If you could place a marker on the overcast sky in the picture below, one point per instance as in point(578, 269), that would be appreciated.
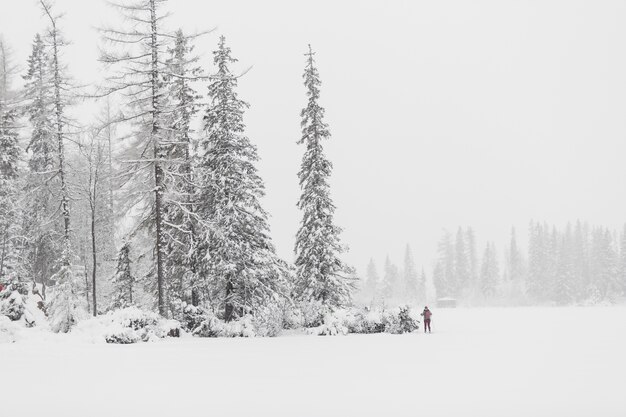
point(443, 113)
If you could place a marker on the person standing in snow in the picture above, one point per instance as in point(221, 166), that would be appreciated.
point(426, 314)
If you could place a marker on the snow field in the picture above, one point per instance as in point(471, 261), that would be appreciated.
point(478, 362)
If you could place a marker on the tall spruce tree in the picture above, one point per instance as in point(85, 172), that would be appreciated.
point(321, 274)
point(236, 253)
point(67, 306)
point(410, 277)
point(41, 227)
point(390, 280)
point(489, 271)
point(10, 153)
point(180, 223)
point(123, 280)
point(371, 281)
point(461, 264)
point(443, 273)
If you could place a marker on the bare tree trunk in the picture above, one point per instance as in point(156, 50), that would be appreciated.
point(94, 260)
point(158, 170)
point(58, 110)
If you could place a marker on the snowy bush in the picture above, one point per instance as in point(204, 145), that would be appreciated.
point(212, 326)
point(129, 325)
point(67, 307)
point(401, 322)
point(266, 322)
point(313, 313)
point(334, 324)
point(8, 330)
point(13, 303)
point(396, 321)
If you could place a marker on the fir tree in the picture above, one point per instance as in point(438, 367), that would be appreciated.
point(371, 280)
point(320, 272)
point(124, 280)
point(443, 274)
point(564, 288)
point(179, 218)
point(390, 280)
point(461, 264)
point(421, 286)
point(40, 222)
point(622, 261)
point(236, 252)
point(489, 271)
point(410, 284)
point(472, 258)
point(67, 306)
point(10, 153)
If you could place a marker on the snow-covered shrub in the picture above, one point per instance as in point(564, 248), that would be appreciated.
point(313, 313)
point(67, 307)
point(401, 322)
point(292, 317)
point(213, 326)
point(334, 324)
point(266, 322)
point(397, 321)
point(192, 317)
point(8, 330)
point(13, 302)
point(129, 325)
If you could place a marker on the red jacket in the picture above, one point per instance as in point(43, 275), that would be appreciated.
point(427, 314)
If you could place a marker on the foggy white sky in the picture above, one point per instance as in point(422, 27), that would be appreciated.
point(443, 113)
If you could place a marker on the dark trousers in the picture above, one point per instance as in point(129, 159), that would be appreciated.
point(426, 325)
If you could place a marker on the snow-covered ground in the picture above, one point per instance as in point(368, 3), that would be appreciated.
point(477, 362)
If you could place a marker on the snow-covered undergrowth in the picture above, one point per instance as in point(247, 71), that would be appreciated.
point(125, 326)
point(8, 330)
point(18, 304)
point(204, 323)
point(397, 321)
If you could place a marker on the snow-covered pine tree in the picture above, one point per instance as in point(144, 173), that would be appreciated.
point(515, 260)
point(321, 274)
point(581, 259)
point(472, 257)
point(410, 278)
point(489, 271)
point(443, 273)
point(421, 287)
point(10, 152)
point(514, 272)
point(136, 51)
point(622, 261)
point(67, 306)
point(123, 280)
point(535, 287)
point(461, 264)
point(371, 281)
point(41, 186)
point(180, 223)
point(236, 253)
point(564, 286)
point(390, 280)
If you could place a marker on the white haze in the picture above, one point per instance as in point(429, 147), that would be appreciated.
point(443, 113)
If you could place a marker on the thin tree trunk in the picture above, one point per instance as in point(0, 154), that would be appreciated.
point(58, 105)
point(158, 170)
point(94, 260)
